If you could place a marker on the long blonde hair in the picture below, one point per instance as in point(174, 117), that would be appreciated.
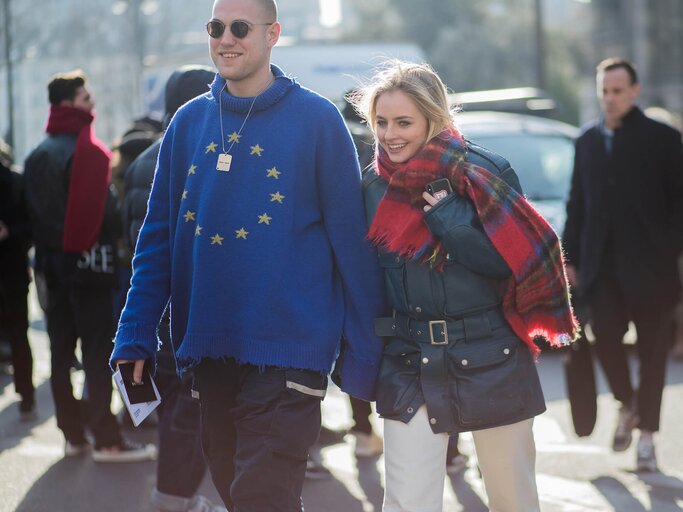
point(419, 81)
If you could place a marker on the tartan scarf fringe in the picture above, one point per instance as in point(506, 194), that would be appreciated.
point(536, 302)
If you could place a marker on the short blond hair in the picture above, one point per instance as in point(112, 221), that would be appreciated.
point(419, 81)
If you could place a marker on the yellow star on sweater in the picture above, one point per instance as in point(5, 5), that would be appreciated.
point(256, 150)
point(217, 239)
point(192, 170)
point(184, 194)
point(241, 233)
point(273, 173)
point(276, 197)
point(264, 219)
point(234, 137)
point(198, 230)
point(189, 216)
point(211, 147)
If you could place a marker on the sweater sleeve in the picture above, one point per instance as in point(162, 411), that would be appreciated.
point(136, 337)
point(339, 188)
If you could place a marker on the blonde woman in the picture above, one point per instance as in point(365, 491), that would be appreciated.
point(474, 274)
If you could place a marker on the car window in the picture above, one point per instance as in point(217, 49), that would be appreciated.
point(543, 163)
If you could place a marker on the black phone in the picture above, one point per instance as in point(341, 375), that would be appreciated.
point(137, 393)
point(439, 188)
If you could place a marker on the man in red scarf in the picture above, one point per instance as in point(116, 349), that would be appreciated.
point(75, 223)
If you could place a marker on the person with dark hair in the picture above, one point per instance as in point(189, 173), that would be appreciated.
point(474, 275)
point(622, 237)
point(75, 224)
point(255, 235)
point(181, 466)
point(15, 242)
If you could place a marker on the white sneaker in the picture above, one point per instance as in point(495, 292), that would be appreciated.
point(647, 459)
point(201, 504)
point(75, 449)
point(368, 445)
point(125, 451)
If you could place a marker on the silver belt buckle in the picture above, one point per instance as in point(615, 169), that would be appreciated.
point(432, 323)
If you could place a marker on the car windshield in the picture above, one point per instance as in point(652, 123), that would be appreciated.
point(543, 162)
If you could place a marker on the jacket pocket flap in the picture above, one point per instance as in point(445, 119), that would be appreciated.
point(480, 355)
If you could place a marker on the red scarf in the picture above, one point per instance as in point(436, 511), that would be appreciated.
point(536, 301)
point(90, 177)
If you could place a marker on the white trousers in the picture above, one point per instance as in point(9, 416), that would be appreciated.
point(415, 466)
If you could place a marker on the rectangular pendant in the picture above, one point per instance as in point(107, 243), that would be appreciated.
point(224, 161)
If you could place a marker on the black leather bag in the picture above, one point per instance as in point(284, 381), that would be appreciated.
point(579, 375)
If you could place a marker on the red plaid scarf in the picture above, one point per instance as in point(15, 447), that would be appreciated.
point(536, 301)
point(89, 181)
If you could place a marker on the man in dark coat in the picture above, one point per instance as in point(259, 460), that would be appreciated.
point(623, 234)
point(75, 221)
point(14, 280)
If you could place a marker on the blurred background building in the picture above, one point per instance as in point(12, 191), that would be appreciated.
point(128, 48)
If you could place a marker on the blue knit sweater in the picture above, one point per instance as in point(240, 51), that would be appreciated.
point(266, 262)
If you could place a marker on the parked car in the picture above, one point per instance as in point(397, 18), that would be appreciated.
point(541, 151)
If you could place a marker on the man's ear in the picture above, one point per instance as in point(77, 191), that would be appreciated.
point(273, 34)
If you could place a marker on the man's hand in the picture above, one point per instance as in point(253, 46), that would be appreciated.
point(137, 369)
point(4, 231)
point(572, 279)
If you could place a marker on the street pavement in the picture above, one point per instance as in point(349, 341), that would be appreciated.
point(573, 474)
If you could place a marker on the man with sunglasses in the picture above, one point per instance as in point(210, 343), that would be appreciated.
point(255, 233)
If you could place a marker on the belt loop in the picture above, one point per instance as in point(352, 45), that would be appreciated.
point(477, 327)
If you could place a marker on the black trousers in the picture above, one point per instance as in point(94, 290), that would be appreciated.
point(180, 464)
point(611, 312)
point(361, 411)
point(14, 323)
point(86, 314)
point(257, 426)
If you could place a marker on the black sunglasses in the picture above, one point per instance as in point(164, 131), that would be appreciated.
point(238, 28)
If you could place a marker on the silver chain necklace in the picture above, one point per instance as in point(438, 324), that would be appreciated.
point(225, 158)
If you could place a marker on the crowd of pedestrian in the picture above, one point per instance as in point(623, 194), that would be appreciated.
point(256, 242)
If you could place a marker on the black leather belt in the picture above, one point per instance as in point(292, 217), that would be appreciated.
point(440, 332)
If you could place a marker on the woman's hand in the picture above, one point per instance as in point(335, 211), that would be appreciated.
point(431, 201)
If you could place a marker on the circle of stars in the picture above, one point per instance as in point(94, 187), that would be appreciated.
point(241, 233)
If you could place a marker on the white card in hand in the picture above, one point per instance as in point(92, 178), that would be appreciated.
point(138, 412)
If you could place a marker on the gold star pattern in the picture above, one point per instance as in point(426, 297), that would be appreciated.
point(276, 197)
point(216, 239)
point(198, 230)
point(184, 194)
point(211, 147)
point(189, 216)
point(241, 233)
point(264, 219)
point(273, 173)
point(234, 137)
point(192, 170)
point(256, 150)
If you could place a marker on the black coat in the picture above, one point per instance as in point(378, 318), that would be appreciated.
point(137, 185)
point(14, 273)
point(632, 202)
point(47, 172)
point(484, 376)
